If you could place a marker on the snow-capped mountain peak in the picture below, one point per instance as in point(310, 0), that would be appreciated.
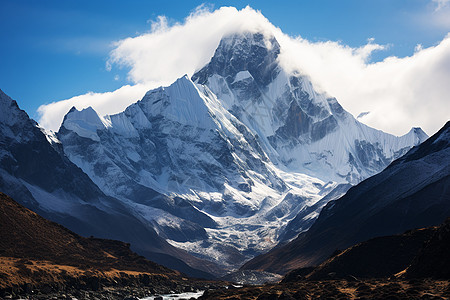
point(180, 102)
point(417, 135)
point(252, 52)
point(237, 152)
point(10, 113)
point(85, 123)
point(301, 130)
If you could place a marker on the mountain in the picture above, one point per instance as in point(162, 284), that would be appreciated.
point(221, 163)
point(35, 171)
point(412, 192)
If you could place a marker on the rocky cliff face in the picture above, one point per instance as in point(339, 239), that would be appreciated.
point(300, 129)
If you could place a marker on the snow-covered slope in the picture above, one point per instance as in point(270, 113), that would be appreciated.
point(220, 164)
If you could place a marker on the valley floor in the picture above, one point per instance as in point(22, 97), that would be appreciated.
point(38, 279)
point(339, 289)
point(329, 289)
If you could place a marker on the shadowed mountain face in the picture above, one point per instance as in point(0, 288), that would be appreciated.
point(35, 171)
point(376, 258)
point(417, 253)
point(413, 192)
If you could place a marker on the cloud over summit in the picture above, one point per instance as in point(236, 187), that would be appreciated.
point(399, 92)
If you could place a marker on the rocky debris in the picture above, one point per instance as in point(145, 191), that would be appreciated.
point(339, 289)
point(251, 277)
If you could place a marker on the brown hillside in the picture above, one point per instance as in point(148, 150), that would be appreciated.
point(434, 258)
point(25, 234)
point(33, 249)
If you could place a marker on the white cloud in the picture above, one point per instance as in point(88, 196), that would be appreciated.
point(440, 4)
point(51, 115)
point(435, 17)
point(398, 92)
point(170, 51)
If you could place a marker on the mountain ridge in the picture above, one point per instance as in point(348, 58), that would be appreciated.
point(387, 203)
point(38, 174)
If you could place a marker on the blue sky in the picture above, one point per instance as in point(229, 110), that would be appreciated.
point(54, 50)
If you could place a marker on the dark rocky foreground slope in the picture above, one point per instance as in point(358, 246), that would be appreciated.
point(433, 259)
point(376, 258)
point(40, 256)
point(412, 192)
